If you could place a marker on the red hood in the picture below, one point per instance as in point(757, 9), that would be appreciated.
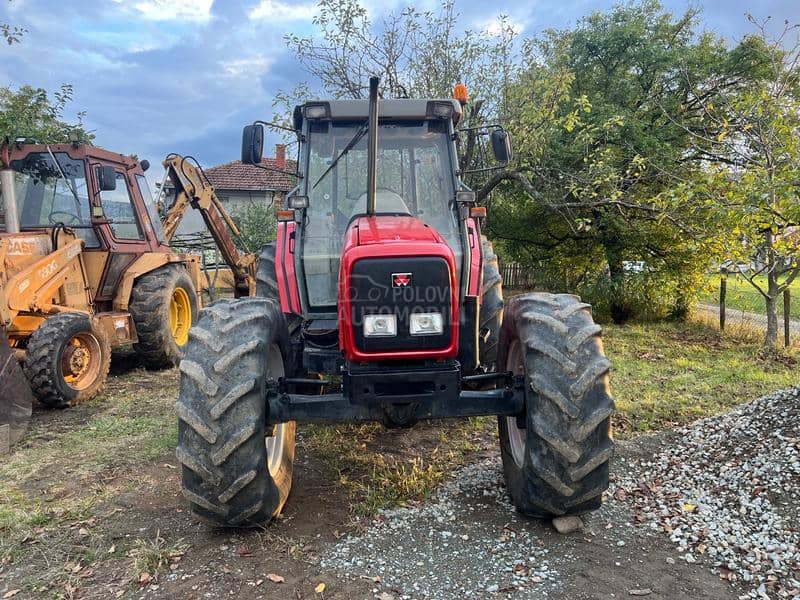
point(386, 229)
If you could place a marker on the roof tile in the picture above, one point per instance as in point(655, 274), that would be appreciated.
point(237, 176)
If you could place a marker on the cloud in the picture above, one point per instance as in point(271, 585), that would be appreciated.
point(253, 66)
point(498, 25)
point(174, 10)
point(277, 11)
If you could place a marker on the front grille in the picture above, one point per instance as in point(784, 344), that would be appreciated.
point(375, 289)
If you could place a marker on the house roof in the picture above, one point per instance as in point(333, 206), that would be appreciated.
point(237, 176)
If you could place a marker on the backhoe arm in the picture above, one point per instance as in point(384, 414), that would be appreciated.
point(193, 188)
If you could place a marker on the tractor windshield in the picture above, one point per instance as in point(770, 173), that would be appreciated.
point(414, 177)
point(44, 197)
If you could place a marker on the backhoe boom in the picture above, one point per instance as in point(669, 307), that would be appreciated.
point(193, 188)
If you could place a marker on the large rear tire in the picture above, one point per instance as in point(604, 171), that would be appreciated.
point(491, 307)
point(234, 473)
point(164, 307)
point(556, 457)
point(67, 360)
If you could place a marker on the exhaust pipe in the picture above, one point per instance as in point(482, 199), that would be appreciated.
point(9, 200)
point(9, 194)
point(372, 146)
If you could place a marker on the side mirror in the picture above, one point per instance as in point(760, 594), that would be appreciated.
point(106, 179)
point(501, 146)
point(145, 164)
point(252, 144)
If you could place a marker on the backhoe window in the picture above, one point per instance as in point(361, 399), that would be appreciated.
point(118, 207)
point(152, 209)
point(414, 177)
point(45, 199)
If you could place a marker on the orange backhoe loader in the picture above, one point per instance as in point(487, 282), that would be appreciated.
point(85, 264)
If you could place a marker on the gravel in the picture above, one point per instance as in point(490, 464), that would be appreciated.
point(467, 542)
point(727, 492)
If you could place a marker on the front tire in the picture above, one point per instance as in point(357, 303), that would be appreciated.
point(234, 474)
point(67, 360)
point(164, 307)
point(556, 456)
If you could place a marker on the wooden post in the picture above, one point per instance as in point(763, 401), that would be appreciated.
point(723, 290)
point(786, 316)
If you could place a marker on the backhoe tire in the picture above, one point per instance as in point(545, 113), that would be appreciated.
point(67, 360)
point(556, 456)
point(232, 474)
point(163, 306)
point(266, 275)
point(491, 307)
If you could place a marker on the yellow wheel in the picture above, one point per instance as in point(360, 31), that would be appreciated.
point(67, 360)
point(180, 316)
point(163, 306)
point(81, 361)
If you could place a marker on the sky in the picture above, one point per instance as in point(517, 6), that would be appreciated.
point(161, 76)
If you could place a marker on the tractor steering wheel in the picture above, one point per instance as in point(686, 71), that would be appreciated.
point(73, 219)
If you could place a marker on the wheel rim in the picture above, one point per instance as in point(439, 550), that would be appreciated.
point(80, 361)
point(516, 436)
point(180, 315)
point(275, 439)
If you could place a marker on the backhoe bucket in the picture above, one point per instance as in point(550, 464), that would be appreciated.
point(16, 398)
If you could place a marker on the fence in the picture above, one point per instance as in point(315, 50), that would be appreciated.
point(750, 300)
point(517, 276)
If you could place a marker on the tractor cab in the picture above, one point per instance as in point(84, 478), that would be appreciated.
point(415, 177)
point(380, 223)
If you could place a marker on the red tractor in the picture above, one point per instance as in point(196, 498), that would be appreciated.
point(381, 301)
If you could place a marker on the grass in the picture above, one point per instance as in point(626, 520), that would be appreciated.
point(668, 374)
point(741, 295)
point(377, 476)
point(69, 464)
point(155, 556)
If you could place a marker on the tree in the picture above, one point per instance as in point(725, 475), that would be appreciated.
point(12, 33)
point(416, 54)
point(256, 223)
point(750, 144)
point(599, 144)
point(30, 113)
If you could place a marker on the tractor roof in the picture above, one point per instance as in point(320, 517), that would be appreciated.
point(400, 109)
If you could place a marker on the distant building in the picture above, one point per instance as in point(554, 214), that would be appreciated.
point(237, 185)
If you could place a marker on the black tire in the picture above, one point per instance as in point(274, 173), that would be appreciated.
point(266, 277)
point(561, 463)
point(67, 341)
point(234, 347)
point(267, 287)
point(491, 307)
point(150, 308)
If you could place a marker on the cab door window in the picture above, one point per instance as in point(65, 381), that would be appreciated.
point(118, 207)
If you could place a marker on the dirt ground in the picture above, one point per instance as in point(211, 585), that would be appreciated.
point(139, 541)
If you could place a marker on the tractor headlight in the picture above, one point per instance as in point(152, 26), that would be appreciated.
point(380, 325)
point(426, 324)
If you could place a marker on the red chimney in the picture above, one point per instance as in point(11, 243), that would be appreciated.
point(280, 156)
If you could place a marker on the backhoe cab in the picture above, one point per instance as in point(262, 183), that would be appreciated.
point(381, 300)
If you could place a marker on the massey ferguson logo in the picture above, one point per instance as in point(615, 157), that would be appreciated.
point(401, 279)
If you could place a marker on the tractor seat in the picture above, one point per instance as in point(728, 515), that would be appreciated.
point(386, 201)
